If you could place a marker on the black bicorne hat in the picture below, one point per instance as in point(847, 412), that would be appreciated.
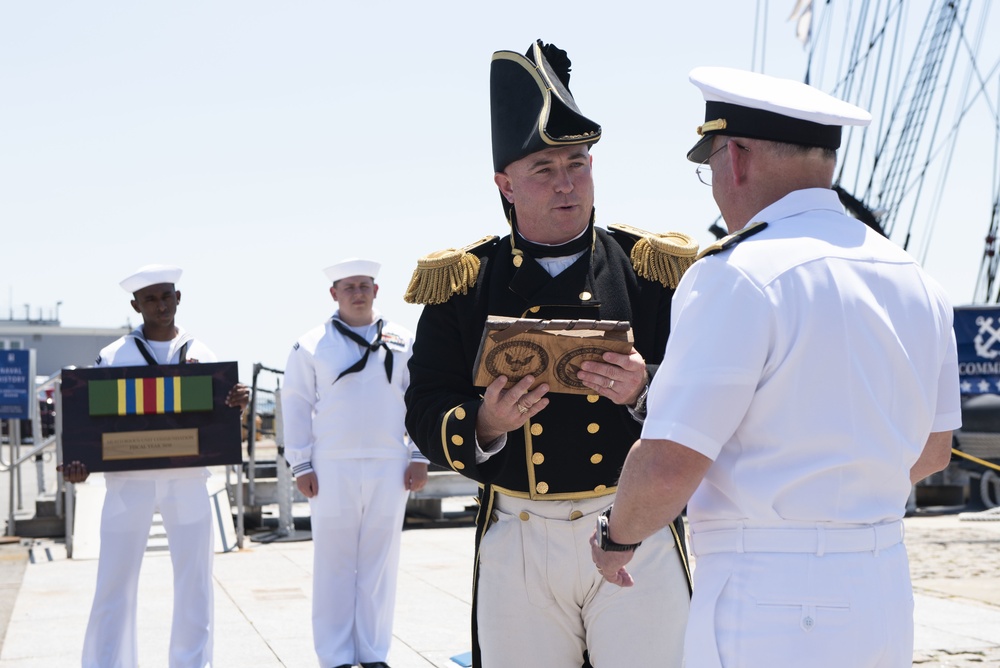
point(531, 106)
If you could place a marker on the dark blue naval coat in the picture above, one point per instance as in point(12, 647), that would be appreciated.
point(576, 446)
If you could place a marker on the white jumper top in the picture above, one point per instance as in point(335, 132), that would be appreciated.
point(125, 352)
point(358, 416)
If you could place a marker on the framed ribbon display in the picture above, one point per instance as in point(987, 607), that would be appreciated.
point(150, 417)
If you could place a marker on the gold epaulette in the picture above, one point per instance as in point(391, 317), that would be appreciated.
point(444, 273)
point(730, 240)
point(660, 257)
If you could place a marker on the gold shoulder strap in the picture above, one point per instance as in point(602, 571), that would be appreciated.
point(660, 257)
point(730, 240)
point(444, 273)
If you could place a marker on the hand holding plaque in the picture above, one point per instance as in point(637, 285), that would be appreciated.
point(549, 350)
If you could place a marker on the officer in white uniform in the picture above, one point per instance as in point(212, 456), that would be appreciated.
point(810, 378)
point(342, 409)
point(179, 495)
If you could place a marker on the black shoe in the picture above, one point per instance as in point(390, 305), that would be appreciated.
point(345, 665)
point(377, 664)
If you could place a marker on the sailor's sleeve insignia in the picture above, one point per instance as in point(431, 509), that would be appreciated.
point(444, 273)
point(660, 257)
point(730, 240)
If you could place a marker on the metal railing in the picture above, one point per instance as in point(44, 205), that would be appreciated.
point(255, 393)
point(39, 444)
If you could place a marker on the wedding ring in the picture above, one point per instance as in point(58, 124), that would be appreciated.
point(611, 383)
point(521, 409)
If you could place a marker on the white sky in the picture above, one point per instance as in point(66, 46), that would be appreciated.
point(254, 143)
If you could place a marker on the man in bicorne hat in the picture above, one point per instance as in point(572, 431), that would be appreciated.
point(180, 495)
point(549, 462)
point(342, 410)
point(798, 436)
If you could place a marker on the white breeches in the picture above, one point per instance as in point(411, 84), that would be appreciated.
point(125, 522)
point(357, 519)
point(541, 601)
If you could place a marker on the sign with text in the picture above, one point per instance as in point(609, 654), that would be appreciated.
point(17, 384)
point(977, 334)
point(151, 417)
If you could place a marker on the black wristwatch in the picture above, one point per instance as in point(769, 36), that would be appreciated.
point(604, 540)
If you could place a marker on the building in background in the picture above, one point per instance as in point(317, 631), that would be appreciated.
point(56, 346)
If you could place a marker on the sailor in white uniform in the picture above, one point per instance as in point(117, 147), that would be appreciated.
point(179, 495)
point(810, 378)
point(342, 409)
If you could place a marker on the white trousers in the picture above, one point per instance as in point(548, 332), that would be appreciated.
point(357, 520)
point(790, 610)
point(541, 601)
point(129, 505)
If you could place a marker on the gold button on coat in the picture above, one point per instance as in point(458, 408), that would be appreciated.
point(542, 488)
point(457, 440)
point(535, 309)
point(537, 458)
point(600, 488)
point(592, 398)
point(596, 459)
point(524, 516)
point(585, 296)
point(593, 428)
point(575, 515)
point(460, 413)
point(517, 260)
point(458, 465)
point(536, 429)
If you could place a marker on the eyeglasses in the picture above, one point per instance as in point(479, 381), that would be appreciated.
point(704, 170)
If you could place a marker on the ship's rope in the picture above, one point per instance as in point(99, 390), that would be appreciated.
point(977, 460)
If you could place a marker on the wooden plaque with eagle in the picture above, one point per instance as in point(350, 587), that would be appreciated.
point(549, 350)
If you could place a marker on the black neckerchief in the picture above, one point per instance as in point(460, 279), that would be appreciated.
point(582, 243)
point(148, 356)
point(369, 349)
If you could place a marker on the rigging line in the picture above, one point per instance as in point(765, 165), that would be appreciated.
point(888, 113)
point(992, 237)
point(871, 87)
point(820, 38)
point(915, 114)
point(850, 52)
point(950, 137)
point(973, 50)
point(951, 140)
point(964, 111)
point(929, 227)
point(813, 43)
point(764, 40)
point(850, 83)
point(850, 56)
point(901, 164)
point(756, 29)
point(848, 86)
point(847, 81)
point(988, 264)
point(860, 57)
